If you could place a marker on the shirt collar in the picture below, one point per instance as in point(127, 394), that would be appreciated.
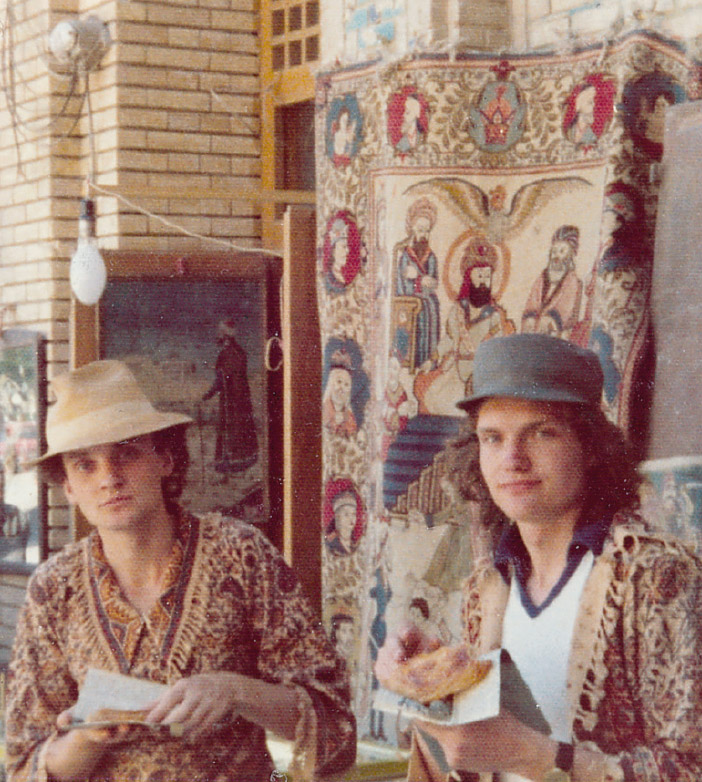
point(590, 536)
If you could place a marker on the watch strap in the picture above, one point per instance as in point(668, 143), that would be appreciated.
point(564, 756)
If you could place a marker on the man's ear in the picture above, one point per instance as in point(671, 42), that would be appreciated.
point(168, 462)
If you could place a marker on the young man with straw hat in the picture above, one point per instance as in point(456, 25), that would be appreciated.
point(599, 612)
point(204, 605)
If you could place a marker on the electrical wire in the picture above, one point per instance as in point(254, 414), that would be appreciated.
point(165, 221)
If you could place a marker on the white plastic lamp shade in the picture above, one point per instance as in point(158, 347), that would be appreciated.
point(88, 274)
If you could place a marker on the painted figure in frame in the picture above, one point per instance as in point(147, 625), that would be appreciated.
point(237, 443)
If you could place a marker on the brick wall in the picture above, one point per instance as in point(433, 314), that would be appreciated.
point(175, 106)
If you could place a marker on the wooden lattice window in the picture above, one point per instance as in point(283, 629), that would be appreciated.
point(290, 31)
point(294, 33)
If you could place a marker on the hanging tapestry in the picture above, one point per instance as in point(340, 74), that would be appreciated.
point(460, 199)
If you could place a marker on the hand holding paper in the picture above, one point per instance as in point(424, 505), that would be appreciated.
point(200, 703)
point(110, 705)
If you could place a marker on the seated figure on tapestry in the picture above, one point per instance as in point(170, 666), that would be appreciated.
point(553, 304)
point(473, 318)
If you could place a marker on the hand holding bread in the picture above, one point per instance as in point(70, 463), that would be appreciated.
point(421, 669)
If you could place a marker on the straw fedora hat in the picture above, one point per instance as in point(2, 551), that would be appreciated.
point(100, 403)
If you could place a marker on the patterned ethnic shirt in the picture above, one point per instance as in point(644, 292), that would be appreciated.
point(231, 603)
point(635, 670)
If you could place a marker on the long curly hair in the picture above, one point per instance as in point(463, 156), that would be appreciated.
point(612, 479)
point(173, 440)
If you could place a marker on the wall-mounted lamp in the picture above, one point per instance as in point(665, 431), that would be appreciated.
point(80, 42)
point(88, 274)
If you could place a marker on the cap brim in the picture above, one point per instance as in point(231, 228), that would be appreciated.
point(533, 395)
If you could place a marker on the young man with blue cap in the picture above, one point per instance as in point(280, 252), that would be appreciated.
point(599, 613)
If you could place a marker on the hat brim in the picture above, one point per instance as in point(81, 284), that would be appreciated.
point(119, 431)
point(534, 395)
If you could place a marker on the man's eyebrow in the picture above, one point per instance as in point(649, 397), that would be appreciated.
point(481, 431)
point(546, 421)
point(79, 454)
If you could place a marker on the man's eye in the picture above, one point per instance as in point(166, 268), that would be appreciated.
point(547, 433)
point(489, 438)
point(83, 466)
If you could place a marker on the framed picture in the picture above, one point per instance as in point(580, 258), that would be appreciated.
point(22, 412)
point(197, 335)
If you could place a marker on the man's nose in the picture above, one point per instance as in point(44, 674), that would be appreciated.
point(516, 454)
point(111, 471)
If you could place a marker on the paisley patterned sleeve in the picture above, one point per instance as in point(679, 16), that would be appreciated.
point(293, 648)
point(39, 685)
point(662, 637)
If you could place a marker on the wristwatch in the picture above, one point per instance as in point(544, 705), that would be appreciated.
point(564, 763)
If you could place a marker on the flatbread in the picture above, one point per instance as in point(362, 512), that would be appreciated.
point(433, 676)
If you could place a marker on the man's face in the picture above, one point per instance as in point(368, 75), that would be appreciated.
point(532, 461)
point(421, 229)
point(480, 286)
point(340, 381)
point(343, 120)
point(117, 486)
point(344, 635)
point(411, 113)
point(341, 253)
point(559, 258)
point(345, 521)
point(655, 120)
point(585, 102)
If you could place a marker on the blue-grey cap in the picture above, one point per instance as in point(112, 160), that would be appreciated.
point(537, 367)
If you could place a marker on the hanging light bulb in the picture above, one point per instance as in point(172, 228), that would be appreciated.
point(88, 274)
